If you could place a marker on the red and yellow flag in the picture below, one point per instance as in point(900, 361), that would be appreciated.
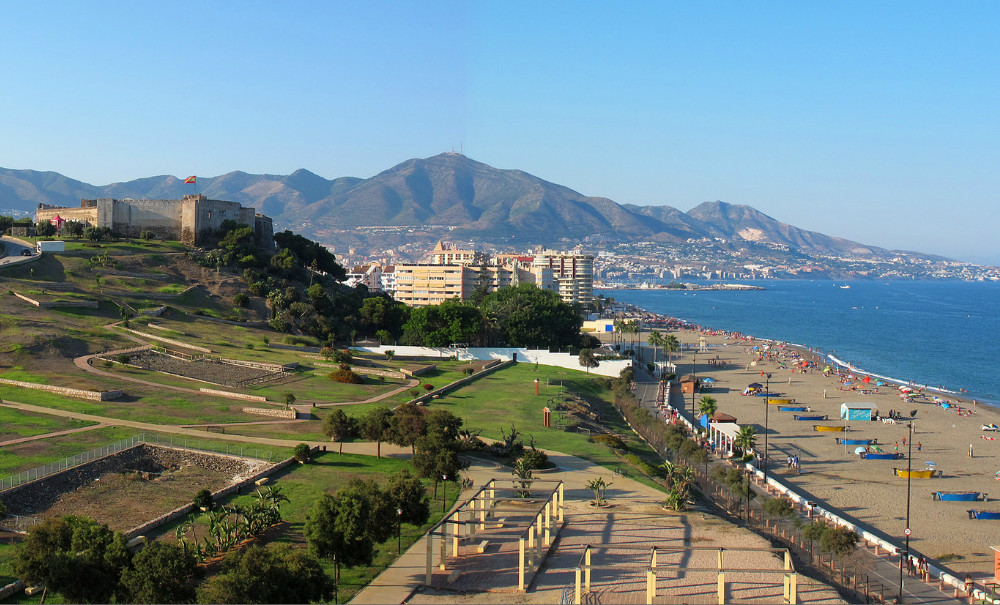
point(189, 180)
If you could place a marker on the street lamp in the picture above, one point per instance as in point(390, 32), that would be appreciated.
point(444, 494)
point(767, 407)
point(906, 531)
point(694, 374)
point(748, 488)
point(399, 530)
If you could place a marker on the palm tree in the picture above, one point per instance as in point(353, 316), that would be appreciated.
point(707, 406)
point(746, 439)
point(671, 345)
point(655, 340)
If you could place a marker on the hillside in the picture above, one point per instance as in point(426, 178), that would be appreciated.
point(445, 193)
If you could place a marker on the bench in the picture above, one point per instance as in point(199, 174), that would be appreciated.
point(483, 546)
point(33, 590)
point(260, 482)
point(453, 576)
point(499, 522)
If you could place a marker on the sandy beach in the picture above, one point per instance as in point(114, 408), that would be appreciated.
point(867, 490)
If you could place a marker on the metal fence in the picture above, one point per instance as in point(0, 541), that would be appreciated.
point(18, 523)
point(231, 449)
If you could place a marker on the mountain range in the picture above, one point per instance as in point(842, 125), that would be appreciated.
point(452, 192)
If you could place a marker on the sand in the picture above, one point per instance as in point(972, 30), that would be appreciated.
point(867, 489)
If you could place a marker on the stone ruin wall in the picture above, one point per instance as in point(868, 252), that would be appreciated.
point(189, 219)
point(132, 217)
point(36, 496)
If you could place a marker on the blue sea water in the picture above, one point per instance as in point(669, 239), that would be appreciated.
point(930, 332)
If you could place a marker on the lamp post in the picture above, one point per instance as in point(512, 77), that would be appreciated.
point(906, 531)
point(748, 496)
point(444, 493)
point(399, 531)
point(767, 407)
point(694, 374)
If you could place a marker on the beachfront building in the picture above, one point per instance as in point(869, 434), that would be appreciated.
point(457, 273)
point(572, 274)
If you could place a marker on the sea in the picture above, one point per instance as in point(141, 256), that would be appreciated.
point(937, 333)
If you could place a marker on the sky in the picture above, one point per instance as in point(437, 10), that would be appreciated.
point(872, 121)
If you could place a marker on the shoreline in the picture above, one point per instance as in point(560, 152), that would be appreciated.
point(948, 439)
point(960, 395)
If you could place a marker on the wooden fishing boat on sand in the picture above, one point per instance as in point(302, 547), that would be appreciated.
point(832, 429)
point(927, 473)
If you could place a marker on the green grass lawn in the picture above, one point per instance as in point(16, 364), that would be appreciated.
point(506, 397)
point(144, 404)
point(25, 456)
point(15, 424)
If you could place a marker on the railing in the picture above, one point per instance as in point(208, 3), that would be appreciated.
point(52, 468)
point(18, 523)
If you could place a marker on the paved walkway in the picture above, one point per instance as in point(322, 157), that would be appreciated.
point(398, 582)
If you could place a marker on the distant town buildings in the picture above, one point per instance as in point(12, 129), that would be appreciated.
point(191, 219)
point(457, 273)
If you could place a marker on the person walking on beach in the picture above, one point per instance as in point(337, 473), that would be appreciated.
point(918, 446)
point(896, 446)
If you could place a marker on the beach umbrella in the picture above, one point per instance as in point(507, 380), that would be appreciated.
point(859, 449)
point(755, 385)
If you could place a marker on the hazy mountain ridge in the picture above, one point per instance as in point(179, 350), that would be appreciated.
point(447, 190)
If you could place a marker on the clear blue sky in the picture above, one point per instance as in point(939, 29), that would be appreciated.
point(874, 121)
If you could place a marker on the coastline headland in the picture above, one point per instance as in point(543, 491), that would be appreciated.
point(678, 286)
point(946, 436)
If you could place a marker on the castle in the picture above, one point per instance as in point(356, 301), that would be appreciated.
point(191, 219)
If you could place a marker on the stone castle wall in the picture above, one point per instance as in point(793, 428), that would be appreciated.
point(191, 219)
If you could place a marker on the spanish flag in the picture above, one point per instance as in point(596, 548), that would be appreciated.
point(189, 180)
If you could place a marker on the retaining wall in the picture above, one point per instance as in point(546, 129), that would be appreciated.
point(462, 382)
point(166, 340)
point(78, 393)
point(86, 304)
point(232, 395)
point(273, 412)
point(563, 360)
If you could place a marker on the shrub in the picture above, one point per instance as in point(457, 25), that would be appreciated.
point(346, 376)
point(147, 234)
point(779, 507)
point(414, 393)
point(204, 500)
point(469, 371)
point(649, 470)
point(241, 299)
point(838, 540)
point(612, 441)
point(718, 473)
point(428, 387)
point(633, 460)
point(122, 358)
point(249, 345)
point(302, 452)
point(534, 459)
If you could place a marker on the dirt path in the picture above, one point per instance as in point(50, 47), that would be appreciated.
point(304, 407)
point(53, 434)
point(365, 448)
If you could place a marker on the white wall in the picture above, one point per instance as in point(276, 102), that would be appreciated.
point(563, 360)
